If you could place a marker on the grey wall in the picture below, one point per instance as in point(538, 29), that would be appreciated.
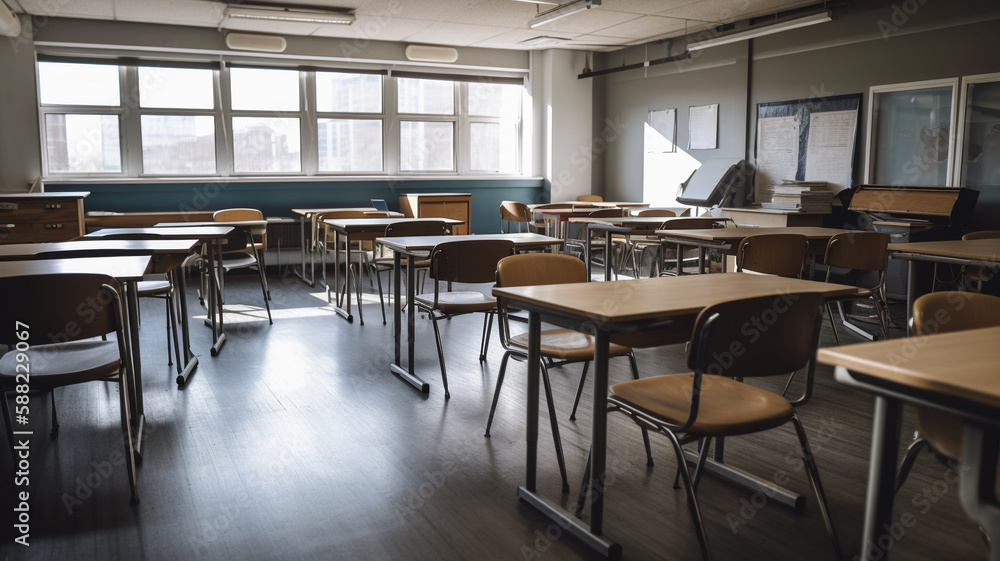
point(20, 160)
point(874, 44)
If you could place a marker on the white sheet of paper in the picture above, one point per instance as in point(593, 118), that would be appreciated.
point(703, 127)
point(664, 122)
point(777, 153)
point(831, 148)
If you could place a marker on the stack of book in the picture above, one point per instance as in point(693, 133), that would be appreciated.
point(806, 196)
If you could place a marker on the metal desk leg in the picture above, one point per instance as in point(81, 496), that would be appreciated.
point(977, 486)
point(407, 374)
point(138, 417)
point(342, 312)
point(911, 289)
point(184, 371)
point(307, 246)
point(607, 253)
point(215, 305)
point(881, 480)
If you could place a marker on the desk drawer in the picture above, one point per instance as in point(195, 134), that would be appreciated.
point(20, 232)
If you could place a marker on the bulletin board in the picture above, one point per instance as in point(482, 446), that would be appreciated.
point(806, 140)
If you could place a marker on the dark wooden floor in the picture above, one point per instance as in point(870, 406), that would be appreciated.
point(297, 443)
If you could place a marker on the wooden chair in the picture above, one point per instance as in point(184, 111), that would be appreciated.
point(973, 278)
point(669, 255)
point(469, 262)
point(545, 224)
point(235, 248)
point(383, 261)
point(636, 245)
point(513, 212)
point(710, 403)
point(590, 198)
point(597, 241)
point(47, 305)
point(945, 312)
point(772, 254)
point(563, 345)
point(324, 241)
point(859, 259)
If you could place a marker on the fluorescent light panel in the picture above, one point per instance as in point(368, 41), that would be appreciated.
point(543, 41)
point(766, 30)
point(563, 10)
point(268, 13)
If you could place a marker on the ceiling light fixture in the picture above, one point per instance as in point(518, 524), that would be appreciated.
point(543, 41)
point(10, 24)
point(276, 13)
point(549, 2)
point(821, 17)
point(563, 10)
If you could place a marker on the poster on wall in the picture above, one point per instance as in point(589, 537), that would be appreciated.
point(664, 124)
point(703, 127)
point(805, 145)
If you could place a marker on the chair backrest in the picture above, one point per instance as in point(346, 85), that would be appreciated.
point(941, 312)
point(608, 213)
point(761, 336)
point(343, 214)
point(982, 235)
point(773, 254)
point(553, 206)
point(59, 308)
point(861, 251)
point(527, 269)
point(590, 198)
point(468, 261)
point(513, 211)
point(237, 215)
point(416, 228)
point(237, 241)
point(656, 212)
point(690, 224)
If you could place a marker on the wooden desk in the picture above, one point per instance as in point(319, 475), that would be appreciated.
point(412, 246)
point(727, 240)
point(348, 227)
point(166, 257)
point(128, 270)
point(955, 372)
point(984, 254)
point(41, 217)
point(311, 215)
point(774, 218)
point(211, 237)
point(623, 311)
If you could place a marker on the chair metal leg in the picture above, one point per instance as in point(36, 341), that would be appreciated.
point(581, 498)
point(811, 470)
point(437, 338)
point(645, 432)
point(496, 392)
point(264, 291)
point(124, 388)
point(5, 409)
point(381, 296)
point(833, 323)
point(54, 432)
point(703, 445)
point(692, 498)
point(579, 391)
point(484, 345)
point(555, 429)
point(909, 459)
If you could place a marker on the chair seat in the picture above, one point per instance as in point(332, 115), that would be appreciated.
point(152, 287)
point(727, 407)
point(237, 261)
point(461, 302)
point(64, 364)
point(566, 344)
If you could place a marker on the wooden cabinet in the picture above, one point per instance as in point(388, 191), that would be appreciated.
point(440, 205)
point(41, 217)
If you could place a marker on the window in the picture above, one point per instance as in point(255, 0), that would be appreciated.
point(201, 119)
point(179, 137)
point(979, 132)
point(349, 128)
point(269, 140)
point(494, 115)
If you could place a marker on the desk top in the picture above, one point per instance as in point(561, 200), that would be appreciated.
point(406, 244)
point(617, 302)
point(254, 226)
point(961, 364)
point(762, 210)
point(123, 268)
point(352, 225)
point(983, 250)
point(122, 247)
point(622, 220)
point(365, 209)
point(734, 235)
point(217, 231)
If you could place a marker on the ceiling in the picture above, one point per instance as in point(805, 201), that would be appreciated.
point(501, 24)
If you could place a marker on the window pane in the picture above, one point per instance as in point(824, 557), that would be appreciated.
point(264, 89)
point(178, 144)
point(348, 93)
point(494, 100)
point(82, 143)
point(913, 131)
point(350, 145)
point(432, 97)
point(67, 83)
point(262, 144)
point(982, 136)
point(426, 146)
point(176, 88)
point(493, 147)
